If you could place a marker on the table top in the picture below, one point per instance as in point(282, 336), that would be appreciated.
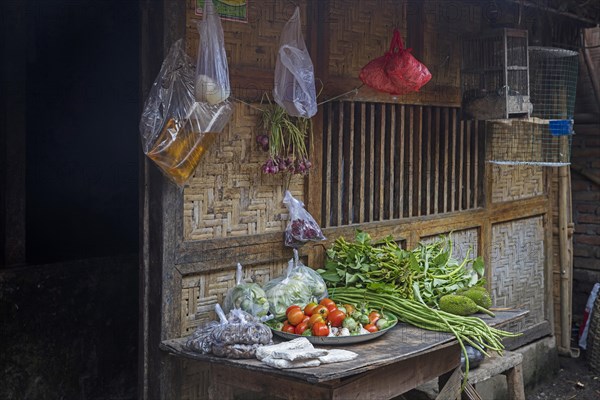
point(399, 343)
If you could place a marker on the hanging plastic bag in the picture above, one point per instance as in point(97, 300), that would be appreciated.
point(212, 73)
point(301, 227)
point(176, 130)
point(247, 296)
point(294, 88)
point(396, 72)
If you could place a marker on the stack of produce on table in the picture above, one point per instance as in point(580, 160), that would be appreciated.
point(416, 286)
point(426, 273)
point(248, 296)
point(300, 353)
point(236, 335)
point(300, 285)
point(327, 318)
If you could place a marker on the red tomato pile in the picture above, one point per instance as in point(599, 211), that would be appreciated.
point(316, 319)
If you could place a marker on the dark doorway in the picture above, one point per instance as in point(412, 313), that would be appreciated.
point(82, 136)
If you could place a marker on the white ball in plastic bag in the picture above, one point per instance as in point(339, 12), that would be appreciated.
point(209, 91)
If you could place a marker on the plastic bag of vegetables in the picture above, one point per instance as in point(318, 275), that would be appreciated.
point(247, 296)
point(312, 278)
point(300, 285)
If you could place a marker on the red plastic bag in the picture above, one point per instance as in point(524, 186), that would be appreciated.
point(397, 71)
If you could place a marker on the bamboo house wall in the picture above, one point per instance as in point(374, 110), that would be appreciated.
point(405, 166)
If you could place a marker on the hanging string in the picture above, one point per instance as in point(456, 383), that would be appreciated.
point(353, 91)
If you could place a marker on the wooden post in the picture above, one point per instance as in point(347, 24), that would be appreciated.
point(565, 260)
point(162, 23)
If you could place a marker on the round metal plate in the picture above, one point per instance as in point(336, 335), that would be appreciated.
point(335, 340)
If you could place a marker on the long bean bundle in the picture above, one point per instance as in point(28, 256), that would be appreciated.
point(470, 330)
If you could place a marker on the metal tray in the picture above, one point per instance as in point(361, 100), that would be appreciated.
point(335, 340)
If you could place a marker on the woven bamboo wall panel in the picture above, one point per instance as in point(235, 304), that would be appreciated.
point(360, 33)
point(462, 241)
point(200, 292)
point(514, 182)
point(253, 43)
point(518, 267)
point(229, 195)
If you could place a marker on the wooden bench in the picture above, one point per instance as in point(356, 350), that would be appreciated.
point(509, 365)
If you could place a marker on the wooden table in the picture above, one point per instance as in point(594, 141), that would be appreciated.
point(388, 366)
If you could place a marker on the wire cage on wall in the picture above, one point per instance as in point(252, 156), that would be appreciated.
point(545, 137)
point(495, 75)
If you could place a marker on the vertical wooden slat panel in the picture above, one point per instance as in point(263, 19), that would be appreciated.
point(461, 162)
point(363, 117)
point(344, 171)
point(372, 155)
point(327, 162)
point(426, 159)
point(436, 173)
point(390, 167)
point(381, 156)
point(411, 136)
point(446, 150)
point(384, 161)
point(418, 160)
point(357, 164)
point(340, 164)
point(400, 176)
point(467, 199)
point(476, 162)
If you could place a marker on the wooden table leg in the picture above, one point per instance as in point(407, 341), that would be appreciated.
point(514, 383)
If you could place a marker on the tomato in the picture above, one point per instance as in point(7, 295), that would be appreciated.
point(306, 318)
point(349, 308)
point(336, 317)
point(310, 307)
point(289, 329)
point(374, 316)
point(290, 308)
point(320, 329)
point(295, 316)
point(326, 302)
point(332, 307)
point(371, 328)
point(300, 328)
point(314, 319)
point(321, 310)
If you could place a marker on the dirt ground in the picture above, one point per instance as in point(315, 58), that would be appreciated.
point(574, 381)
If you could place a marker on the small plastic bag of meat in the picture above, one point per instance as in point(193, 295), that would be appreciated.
point(301, 227)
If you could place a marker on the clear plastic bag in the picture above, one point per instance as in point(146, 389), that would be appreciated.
point(212, 73)
point(314, 281)
point(236, 335)
point(247, 296)
point(294, 88)
point(300, 285)
point(301, 227)
point(176, 130)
